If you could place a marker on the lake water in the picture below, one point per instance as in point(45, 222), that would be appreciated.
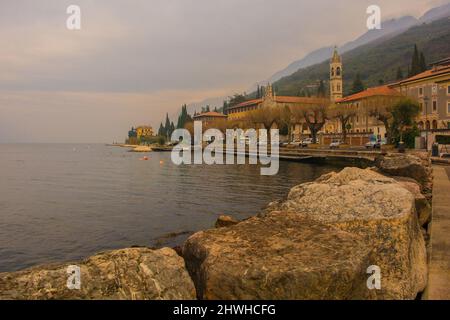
point(65, 202)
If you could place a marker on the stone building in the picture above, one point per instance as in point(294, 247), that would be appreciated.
point(299, 130)
point(209, 117)
point(431, 89)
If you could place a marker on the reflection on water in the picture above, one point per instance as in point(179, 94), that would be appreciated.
point(65, 202)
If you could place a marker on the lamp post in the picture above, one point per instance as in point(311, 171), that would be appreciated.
point(426, 99)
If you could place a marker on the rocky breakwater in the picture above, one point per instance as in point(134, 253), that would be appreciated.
point(317, 244)
point(134, 273)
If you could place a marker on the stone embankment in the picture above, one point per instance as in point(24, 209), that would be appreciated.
point(318, 243)
point(134, 273)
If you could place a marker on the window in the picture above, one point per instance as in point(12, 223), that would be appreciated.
point(448, 107)
point(420, 91)
point(332, 72)
point(434, 105)
point(434, 89)
point(338, 71)
point(448, 89)
point(338, 87)
point(421, 107)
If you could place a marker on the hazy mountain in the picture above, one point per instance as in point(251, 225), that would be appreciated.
point(390, 27)
point(436, 13)
point(378, 60)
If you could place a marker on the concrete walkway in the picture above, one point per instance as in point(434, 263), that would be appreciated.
point(439, 272)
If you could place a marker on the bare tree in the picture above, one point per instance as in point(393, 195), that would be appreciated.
point(266, 116)
point(381, 107)
point(343, 113)
point(315, 116)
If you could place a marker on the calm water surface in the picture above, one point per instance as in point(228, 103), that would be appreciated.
point(65, 202)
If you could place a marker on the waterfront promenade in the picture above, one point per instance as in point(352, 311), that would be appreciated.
point(439, 268)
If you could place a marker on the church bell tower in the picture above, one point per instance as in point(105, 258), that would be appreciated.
point(336, 87)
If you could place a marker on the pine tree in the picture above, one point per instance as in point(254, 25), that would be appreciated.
point(358, 85)
point(399, 74)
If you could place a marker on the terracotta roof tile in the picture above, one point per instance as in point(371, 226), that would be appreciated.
point(210, 114)
point(429, 73)
point(370, 92)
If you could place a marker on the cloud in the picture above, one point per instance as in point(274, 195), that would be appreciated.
point(147, 57)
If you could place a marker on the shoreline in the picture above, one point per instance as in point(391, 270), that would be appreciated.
point(222, 223)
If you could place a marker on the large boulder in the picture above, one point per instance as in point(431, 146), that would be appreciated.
point(135, 273)
point(415, 166)
point(379, 210)
point(423, 207)
point(280, 256)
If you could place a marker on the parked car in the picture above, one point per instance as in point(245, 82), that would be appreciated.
point(374, 144)
point(295, 143)
point(335, 144)
point(306, 142)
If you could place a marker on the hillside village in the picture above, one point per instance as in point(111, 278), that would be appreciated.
point(365, 115)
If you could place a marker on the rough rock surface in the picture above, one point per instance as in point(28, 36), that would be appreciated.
point(416, 166)
point(380, 210)
point(135, 273)
point(423, 207)
point(225, 221)
point(280, 256)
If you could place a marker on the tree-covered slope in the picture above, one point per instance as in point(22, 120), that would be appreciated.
point(378, 60)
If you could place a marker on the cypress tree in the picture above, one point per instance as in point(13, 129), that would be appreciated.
point(321, 90)
point(358, 85)
point(422, 63)
point(161, 131)
point(415, 62)
point(167, 125)
point(399, 74)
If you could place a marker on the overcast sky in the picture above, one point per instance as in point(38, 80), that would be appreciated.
point(133, 61)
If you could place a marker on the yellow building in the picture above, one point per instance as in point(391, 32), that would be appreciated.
point(144, 131)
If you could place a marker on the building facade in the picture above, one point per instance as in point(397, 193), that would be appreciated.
point(208, 118)
point(432, 90)
point(144, 131)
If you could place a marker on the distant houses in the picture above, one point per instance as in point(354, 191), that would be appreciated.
point(363, 116)
point(139, 135)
